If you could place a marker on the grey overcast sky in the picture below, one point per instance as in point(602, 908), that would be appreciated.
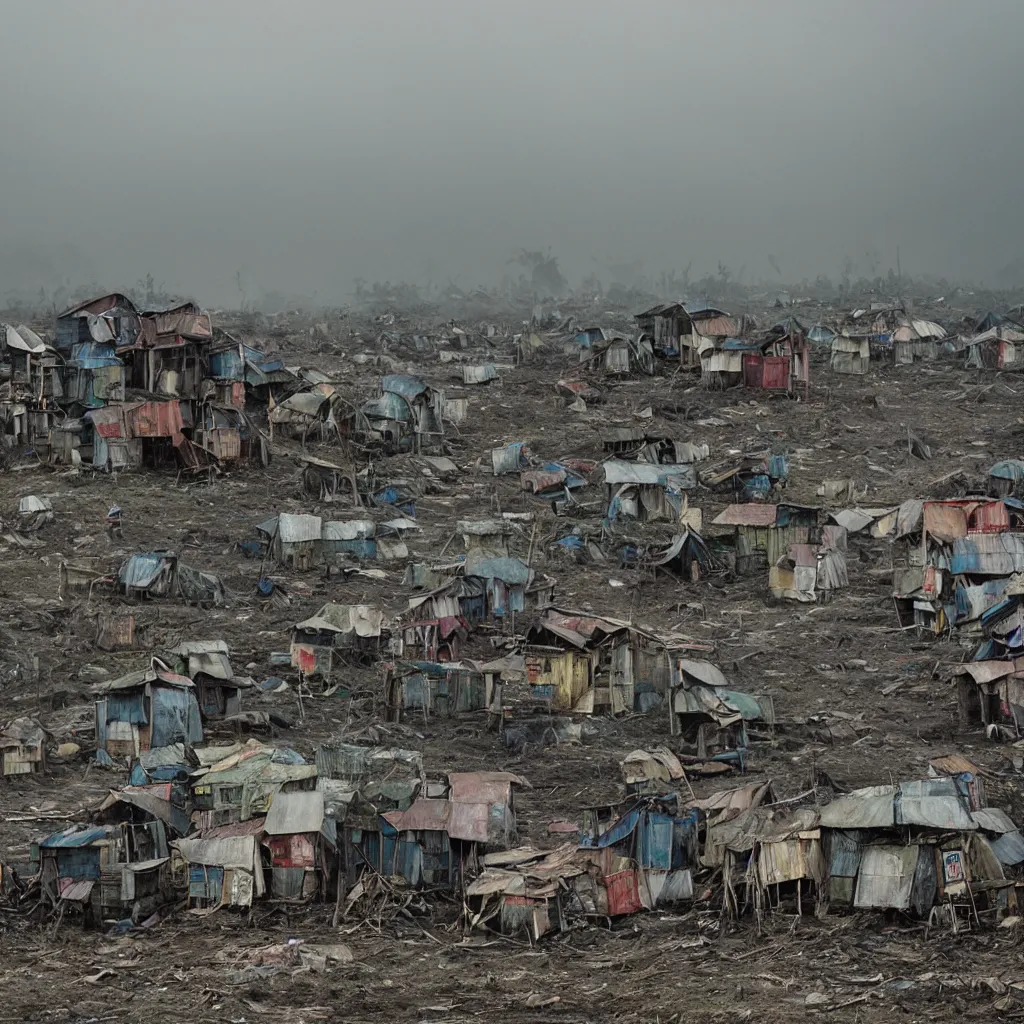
point(303, 144)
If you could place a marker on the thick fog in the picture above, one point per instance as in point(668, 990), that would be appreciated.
point(229, 148)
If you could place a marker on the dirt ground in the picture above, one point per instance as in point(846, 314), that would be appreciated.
point(846, 656)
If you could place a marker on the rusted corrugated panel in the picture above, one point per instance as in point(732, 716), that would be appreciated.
point(75, 891)
point(427, 815)
point(775, 373)
point(750, 514)
point(986, 671)
point(469, 821)
point(155, 419)
point(623, 893)
point(752, 366)
point(100, 305)
point(990, 517)
point(945, 522)
point(717, 327)
point(252, 827)
point(482, 787)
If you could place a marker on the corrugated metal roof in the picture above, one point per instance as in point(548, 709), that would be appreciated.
point(398, 384)
point(252, 827)
point(77, 892)
point(509, 570)
point(988, 554)
point(1008, 848)
point(750, 514)
point(933, 803)
point(703, 671)
point(353, 529)
point(985, 671)
point(296, 529)
point(871, 807)
point(992, 819)
point(101, 305)
point(131, 680)
point(570, 636)
point(616, 471)
point(425, 814)
point(715, 327)
point(24, 339)
point(295, 812)
point(73, 837)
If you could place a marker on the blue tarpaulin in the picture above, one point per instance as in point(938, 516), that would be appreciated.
point(175, 717)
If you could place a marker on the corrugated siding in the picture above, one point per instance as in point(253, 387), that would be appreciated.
point(623, 893)
point(844, 854)
point(775, 373)
point(227, 364)
point(886, 877)
point(654, 846)
point(155, 419)
point(175, 717)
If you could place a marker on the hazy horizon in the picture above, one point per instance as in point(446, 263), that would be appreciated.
point(233, 148)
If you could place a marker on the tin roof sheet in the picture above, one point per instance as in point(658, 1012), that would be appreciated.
point(295, 812)
point(296, 529)
point(750, 514)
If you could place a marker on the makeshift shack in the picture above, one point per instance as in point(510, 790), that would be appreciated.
point(953, 560)
point(208, 664)
point(851, 354)
point(337, 631)
point(811, 572)
point(152, 707)
point(95, 871)
point(643, 859)
point(225, 867)
point(711, 716)
point(162, 574)
point(243, 784)
point(911, 847)
point(302, 844)
point(757, 535)
point(990, 696)
point(426, 688)
point(407, 415)
point(646, 492)
point(23, 746)
point(525, 891)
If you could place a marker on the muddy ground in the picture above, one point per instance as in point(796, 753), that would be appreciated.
point(846, 656)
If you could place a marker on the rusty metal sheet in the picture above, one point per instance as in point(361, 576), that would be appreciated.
point(469, 821)
point(482, 787)
point(944, 521)
point(623, 893)
point(775, 373)
point(717, 327)
point(425, 814)
point(79, 892)
point(750, 514)
point(989, 517)
point(155, 419)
